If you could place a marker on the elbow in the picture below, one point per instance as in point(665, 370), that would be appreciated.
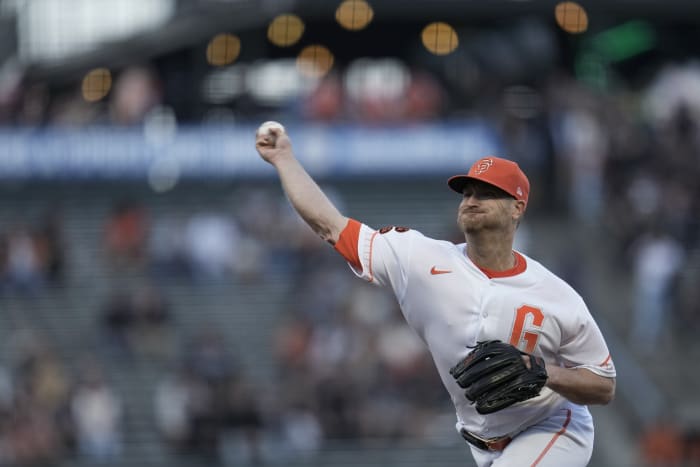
point(329, 231)
point(607, 398)
point(602, 393)
point(611, 393)
point(608, 393)
point(327, 235)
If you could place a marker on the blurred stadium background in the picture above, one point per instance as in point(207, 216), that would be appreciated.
point(160, 304)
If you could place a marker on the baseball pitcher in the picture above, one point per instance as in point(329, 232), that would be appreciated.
point(515, 346)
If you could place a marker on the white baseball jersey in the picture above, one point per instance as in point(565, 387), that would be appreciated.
point(452, 303)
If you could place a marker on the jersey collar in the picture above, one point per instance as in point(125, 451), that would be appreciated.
point(520, 266)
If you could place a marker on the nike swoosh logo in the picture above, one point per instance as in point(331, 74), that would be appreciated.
point(435, 271)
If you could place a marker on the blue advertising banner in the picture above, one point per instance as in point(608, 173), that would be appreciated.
point(228, 151)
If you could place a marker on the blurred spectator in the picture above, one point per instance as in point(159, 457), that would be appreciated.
point(302, 432)
point(34, 395)
point(581, 146)
point(661, 445)
point(418, 96)
point(211, 242)
point(291, 344)
point(33, 436)
point(166, 248)
point(207, 406)
point(32, 255)
point(376, 90)
point(51, 245)
point(673, 93)
point(97, 414)
point(206, 246)
point(241, 423)
point(203, 419)
point(173, 404)
point(281, 248)
point(137, 323)
point(137, 90)
point(35, 103)
point(326, 101)
point(152, 323)
point(687, 299)
point(207, 357)
point(587, 147)
point(657, 259)
point(424, 99)
point(340, 403)
point(23, 269)
point(117, 319)
point(46, 380)
point(126, 234)
point(677, 204)
point(70, 109)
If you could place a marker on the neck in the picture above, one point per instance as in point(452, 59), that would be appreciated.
point(491, 251)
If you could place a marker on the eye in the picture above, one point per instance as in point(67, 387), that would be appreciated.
point(480, 193)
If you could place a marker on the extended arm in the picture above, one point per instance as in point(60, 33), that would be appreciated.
point(304, 194)
point(580, 385)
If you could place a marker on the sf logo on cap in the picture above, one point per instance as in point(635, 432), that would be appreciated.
point(482, 166)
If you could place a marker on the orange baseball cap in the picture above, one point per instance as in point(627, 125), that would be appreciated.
point(501, 173)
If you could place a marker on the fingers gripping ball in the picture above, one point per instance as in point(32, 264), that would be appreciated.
point(495, 376)
point(264, 130)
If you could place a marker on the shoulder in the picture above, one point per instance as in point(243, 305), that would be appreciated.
point(401, 232)
point(548, 279)
point(407, 238)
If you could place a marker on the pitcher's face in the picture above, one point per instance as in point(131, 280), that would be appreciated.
point(486, 207)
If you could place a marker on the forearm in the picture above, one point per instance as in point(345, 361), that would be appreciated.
point(580, 385)
point(309, 201)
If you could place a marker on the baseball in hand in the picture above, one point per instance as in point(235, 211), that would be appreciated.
point(265, 127)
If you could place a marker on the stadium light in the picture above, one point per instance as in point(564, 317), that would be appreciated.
point(439, 38)
point(354, 14)
point(285, 30)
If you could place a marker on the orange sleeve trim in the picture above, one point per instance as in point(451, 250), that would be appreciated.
point(347, 243)
point(554, 438)
point(605, 362)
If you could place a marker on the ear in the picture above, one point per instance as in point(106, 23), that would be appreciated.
point(518, 210)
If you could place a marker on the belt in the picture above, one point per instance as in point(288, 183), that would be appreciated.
point(491, 444)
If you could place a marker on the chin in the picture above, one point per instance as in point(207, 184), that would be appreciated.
point(471, 227)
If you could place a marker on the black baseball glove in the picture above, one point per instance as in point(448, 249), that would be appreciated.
point(495, 376)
